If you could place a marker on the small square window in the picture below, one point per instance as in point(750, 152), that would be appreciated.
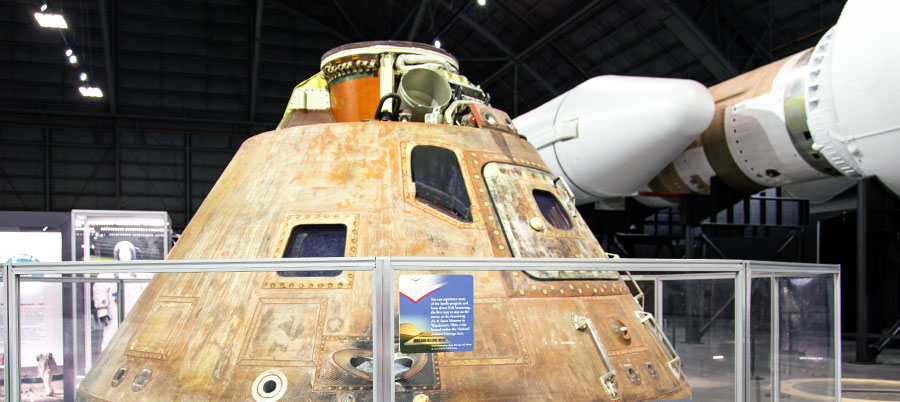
point(309, 241)
point(552, 210)
point(439, 181)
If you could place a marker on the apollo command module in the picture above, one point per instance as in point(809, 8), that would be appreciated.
point(388, 151)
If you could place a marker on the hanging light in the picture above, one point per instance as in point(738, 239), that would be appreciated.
point(50, 20)
point(68, 52)
point(92, 92)
point(73, 59)
point(437, 43)
point(83, 76)
point(43, 7)
point(482, 2)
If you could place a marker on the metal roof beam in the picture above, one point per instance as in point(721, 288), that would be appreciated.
point(453, 19)
point(737, 22)
point(325, 28)
point(502, 46)
point(543, 41)
point(690, 34)
point(343, 13)
point(417, 22)
point(559, 52)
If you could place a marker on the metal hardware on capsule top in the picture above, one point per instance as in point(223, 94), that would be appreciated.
point(609, 379)
point(570, 196)
point(675, 363)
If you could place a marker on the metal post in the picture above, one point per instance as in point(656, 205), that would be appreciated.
point(11, 372)
point(837, 334)
point(377, 324)
point(862, 310)
point(68, 297)
point(389, 296)
point(741, 333)
point(774, 337)
point(120, 303)
point(688, 241)
point(658, 300)
point(6, 331)
point(818, 241)
point(383, 330)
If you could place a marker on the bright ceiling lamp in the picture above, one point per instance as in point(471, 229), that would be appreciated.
point(50, 20)
point(92, 92)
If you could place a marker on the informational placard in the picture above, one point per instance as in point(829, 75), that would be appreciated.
point(436, 313)
point(40, 304)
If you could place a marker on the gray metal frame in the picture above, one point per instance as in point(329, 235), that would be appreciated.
point(383, 295)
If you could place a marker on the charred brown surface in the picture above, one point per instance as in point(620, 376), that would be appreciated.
point(215, 336)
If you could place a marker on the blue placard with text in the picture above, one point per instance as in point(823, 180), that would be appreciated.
point(436, 313)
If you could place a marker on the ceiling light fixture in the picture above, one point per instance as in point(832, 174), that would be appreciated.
point(50, 20)
point(43, 7)
point(83, 76)
point(437, 43)
point(92, 92)
point(68, 52)
point(482, 2)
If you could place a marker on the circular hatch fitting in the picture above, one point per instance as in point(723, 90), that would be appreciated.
point(269, 386)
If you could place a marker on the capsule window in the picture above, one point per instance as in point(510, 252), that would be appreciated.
point(308, 241)
point(552, 210)
point(439, 181)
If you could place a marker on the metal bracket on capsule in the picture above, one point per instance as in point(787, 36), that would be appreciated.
point(675, 363)
point(639, 297)
point(561, 184)
point(609, 379)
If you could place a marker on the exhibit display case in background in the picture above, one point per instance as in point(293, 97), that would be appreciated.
point(96, 234)
point(31, 237)
point(747, 331)
point(112, 235)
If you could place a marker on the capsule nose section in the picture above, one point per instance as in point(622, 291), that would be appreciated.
point(628, 129)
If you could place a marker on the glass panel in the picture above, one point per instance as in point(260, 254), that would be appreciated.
point(439, 181)
point(267, 336)
point(3, 321)
point(806, 344)
point(698, 318)
point(760, 339)
point(315, 241)
point(552, 211)
point(525, 339)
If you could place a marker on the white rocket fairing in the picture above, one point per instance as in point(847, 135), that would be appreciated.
point(826, 115)
point(632, 126)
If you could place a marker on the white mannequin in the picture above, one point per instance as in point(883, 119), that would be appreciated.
point(106, 298)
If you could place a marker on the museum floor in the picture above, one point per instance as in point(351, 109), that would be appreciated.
point(887, 369)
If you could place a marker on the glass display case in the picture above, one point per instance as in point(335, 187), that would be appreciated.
point(742, 330)
point(106, 235)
